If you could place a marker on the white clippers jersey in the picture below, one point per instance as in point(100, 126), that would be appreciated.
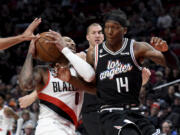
point(6, 124)
point(60, 99)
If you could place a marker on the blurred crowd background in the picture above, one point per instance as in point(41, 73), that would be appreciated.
point(146, 18)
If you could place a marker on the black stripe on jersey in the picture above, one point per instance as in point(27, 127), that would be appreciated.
point(58, 110)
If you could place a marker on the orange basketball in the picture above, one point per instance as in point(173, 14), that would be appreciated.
point(47, 52)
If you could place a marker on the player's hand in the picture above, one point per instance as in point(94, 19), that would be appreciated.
point(82, 55)
point(57, 39)
point(32, 48)
point(62, 72)
point(146, 73)
point(28, 33)
point(159, 44)
point(25, 101)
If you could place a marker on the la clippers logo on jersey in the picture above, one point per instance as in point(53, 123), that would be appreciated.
point(114, 68)
point(57, 87)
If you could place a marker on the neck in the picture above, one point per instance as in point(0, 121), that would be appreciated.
point(114, 46)
point(91, 46)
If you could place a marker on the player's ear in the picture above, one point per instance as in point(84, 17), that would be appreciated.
point(125, 30)
point(103, 36)
point(87, 37)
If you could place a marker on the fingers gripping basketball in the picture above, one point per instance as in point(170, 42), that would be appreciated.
point(45, 51)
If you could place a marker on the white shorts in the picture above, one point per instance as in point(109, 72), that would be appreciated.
point(49, 126)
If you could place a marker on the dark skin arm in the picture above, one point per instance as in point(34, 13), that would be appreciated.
point(157, 52)
point(63, 73)
point(82, 85)
point(143, 50)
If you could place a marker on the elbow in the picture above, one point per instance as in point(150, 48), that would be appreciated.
point(21, 85)
point(25, 86)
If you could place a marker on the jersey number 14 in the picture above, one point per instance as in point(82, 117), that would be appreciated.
point(122, 83)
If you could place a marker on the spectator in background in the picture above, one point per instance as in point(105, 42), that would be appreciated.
point(176, 105)
point(164, 112)
point(176, 36)
point(169, 98)
point(23, 121)
point(176, 74)
point(164, 20)
point(167, 128)
point(28, 129)
point(159, 93)
point(175, 111)
point(155, 108)
point(168, 74)
point(149, 101)
point(7, 117)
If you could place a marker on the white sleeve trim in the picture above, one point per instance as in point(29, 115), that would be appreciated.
point(132, 55)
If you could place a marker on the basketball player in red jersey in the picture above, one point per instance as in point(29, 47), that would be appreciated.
point(25, 36)
point(60, 102)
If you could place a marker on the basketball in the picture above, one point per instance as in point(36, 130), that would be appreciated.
point(47, 52)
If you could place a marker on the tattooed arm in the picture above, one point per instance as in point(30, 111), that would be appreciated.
point(32, 78)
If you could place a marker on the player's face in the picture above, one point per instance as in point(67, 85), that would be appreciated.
point(114, 32)
point(95, 35)
point(70, 44)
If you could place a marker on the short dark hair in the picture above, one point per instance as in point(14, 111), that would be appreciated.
point(117, 15)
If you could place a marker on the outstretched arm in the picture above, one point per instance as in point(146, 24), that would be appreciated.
point(27, 35)
point(155, 53)
point(170, 58)
point(63, 73)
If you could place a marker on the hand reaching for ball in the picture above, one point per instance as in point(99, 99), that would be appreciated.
point(32, 49)
point(57, 39)
point(159, 44)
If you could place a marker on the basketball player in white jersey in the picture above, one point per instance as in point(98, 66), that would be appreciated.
point(7, 117)
point(60, 102)
point(25, 36)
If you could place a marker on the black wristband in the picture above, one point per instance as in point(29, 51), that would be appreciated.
point(171, 59)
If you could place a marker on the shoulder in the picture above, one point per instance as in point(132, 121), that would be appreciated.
point(141, 47)
point(90, 55)
point(41, 68)
point(41, 73)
